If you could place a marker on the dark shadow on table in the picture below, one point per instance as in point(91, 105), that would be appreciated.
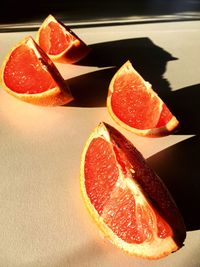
point(185, 104)
point(90, 90)
point(85, 11)
point(83, 256)
point(179, 168)
point(150, 60)
point(178, 165)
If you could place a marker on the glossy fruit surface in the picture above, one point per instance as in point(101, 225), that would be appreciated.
point(59, 42)
point(29, 75)
point(127, 200)
point(134, 105)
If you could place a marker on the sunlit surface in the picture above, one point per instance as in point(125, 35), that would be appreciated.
point(43, 221)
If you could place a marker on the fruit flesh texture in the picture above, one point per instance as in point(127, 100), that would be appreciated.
point(152, 185)
point(25, 73)
point(136, 107)
point(131, 221)
point(54, 40)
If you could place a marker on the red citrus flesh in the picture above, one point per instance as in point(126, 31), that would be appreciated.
point(131, 201)
point(97, 157)
point(130, 221)
point(29, 74)
point(53, 39)
point(110, 200)
point(165, 116)
point(25, 73)
point(59, 42)
point(133, 105)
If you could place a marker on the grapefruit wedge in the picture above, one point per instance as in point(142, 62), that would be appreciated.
point(134, 105)
point(29, 75)
point(127, 200)
point(59, 42)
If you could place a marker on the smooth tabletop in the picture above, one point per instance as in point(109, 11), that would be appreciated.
point(43, 221)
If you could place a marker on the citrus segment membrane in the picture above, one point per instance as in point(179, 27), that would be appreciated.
point(134, 105)
point(152, 186)
point(29, 74)
point(126, 218)
point(111, 196)
point(59, 42)
point(25, 73)
point(126, 198)
point(54, 40)
point(165, 116)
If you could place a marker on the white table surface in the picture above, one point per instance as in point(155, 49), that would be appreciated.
point(43, 221)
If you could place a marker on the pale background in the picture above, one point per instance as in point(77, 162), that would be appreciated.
point(43, 221)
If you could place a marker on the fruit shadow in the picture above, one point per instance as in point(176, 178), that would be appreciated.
point(90, 90)
point(150, 60)
point(178, 166)
point(85, 255)
point(185, 104)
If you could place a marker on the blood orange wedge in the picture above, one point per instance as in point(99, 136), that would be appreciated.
point(28, 74)
point(134, 105)
point(127, 200)
point(59, 42)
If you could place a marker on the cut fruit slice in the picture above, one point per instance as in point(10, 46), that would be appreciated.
point(127, 200)
point(59, 42)
point(134, 105)
point(28, 74)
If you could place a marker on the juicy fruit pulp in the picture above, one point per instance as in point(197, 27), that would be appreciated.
point(30, 75)
point(126, 198)
point(129, 220)
point(134, 105)
point(99, 154)
point(53, 39)
point(25, 73)
point(59, 42)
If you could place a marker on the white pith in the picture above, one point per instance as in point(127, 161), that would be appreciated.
point(49, 19)
point(173, 123)
point(50, 97)
point(31, 45)
point(152, 248)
